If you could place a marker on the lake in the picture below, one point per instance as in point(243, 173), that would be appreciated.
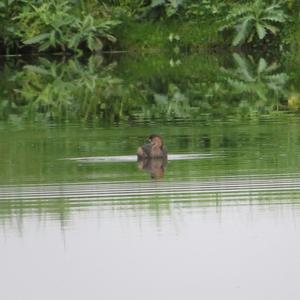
point(81, 218)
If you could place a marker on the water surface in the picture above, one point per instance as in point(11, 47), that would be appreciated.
point(81, 218)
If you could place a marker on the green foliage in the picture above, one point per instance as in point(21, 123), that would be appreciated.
point(186, 8)
point(261, 81)
point(254, 20)
point(170, 105)
point(68, 90)
point(158, 9)
point(291, 34)
point(89, 25)
point(52, 25)
point(159, 88)
point(206, 9)
point(8, 11)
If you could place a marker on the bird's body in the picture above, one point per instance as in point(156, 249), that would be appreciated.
point(154, 149)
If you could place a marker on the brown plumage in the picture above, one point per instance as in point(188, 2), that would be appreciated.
point(154, 149)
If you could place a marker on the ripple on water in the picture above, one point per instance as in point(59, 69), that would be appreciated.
point(242, 189)
point(128, 158)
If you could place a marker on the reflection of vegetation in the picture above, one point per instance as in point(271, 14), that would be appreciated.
point(73, 90)
point(169, 105)
point(60, 209)
point(158, 202)
point(260, 81)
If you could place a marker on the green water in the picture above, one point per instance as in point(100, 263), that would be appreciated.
point(81, 219)
point(32, 154)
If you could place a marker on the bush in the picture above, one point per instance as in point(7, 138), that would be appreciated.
point(55, 25)
point(254, 20)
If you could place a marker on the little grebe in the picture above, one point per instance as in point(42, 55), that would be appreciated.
point(154, 149)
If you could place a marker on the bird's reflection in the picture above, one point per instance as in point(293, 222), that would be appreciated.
point(154, 166)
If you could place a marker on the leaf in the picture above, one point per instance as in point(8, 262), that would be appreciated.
point(52, 38)
point(111, 38)
point(242, 32)
point(280, 78)
point(240, 86)
point(160, 99)
point(176, 3)
point(36, 69)
point(243, 67)
point(90, 42)
point(74, 41)
point(98, 45)
point(261, 31)
point(271, 28)
point(276, 19)
point(261, 94)
point(37, 39)
point(88, 23)
point(273, 7)
point(170, 10)
point(155, 3)
point(238, 11)
point(251, 36)
point(44, 46)
point(274, 66)
point(262, 65)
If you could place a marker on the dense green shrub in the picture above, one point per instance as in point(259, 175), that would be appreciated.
point(89, 25)
point(53, 25)
point(212, 9)
point(254, 20)
point(8, 29)
point(56, 25)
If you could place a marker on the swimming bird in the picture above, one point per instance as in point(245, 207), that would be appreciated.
point(155, 148)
